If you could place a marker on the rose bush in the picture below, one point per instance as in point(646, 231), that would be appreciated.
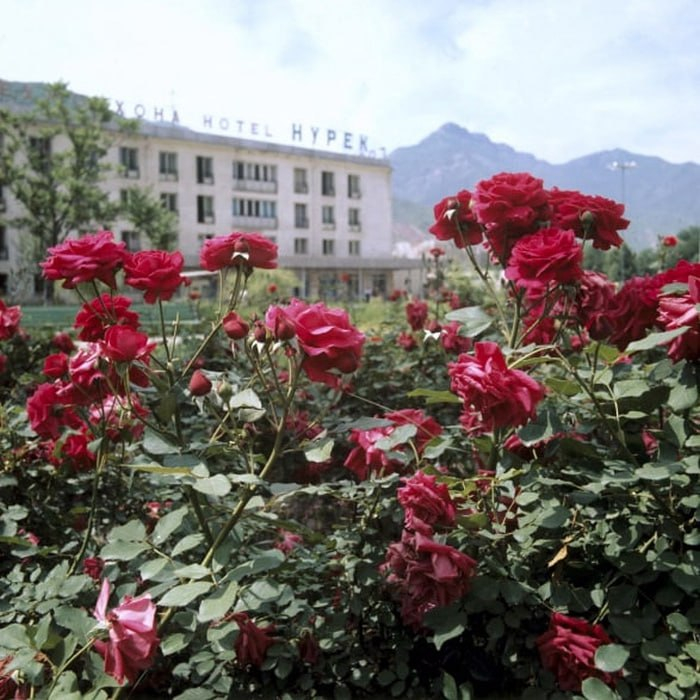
point(470, 501)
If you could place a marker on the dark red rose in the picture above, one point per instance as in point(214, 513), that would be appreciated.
point(253, 641)
point(200, 385)
point(10, 317)
point(494, 396)
point(567, 649)
point(234, 326)
point(309, 649)
point(427, 503)
point(63, 342)
point(96, 316)
point(550, 256)
point(509, 205)
point(595, 296)
point(91, 258)
point(56, 365)
point(633, 310)
point(677, 310)
point(247, 249)
point(455, 221)
point(406, 341)
point(156, 272)
point(416, 314)
point(591, 217)
point(329, 341)
point(92, 566)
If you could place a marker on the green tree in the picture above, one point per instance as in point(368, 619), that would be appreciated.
point(52, 161)
point(148, 217)
point(688, 247)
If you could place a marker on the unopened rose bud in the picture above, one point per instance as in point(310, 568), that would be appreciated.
point(234, 326)
point(199, 384)
point(224, 390)
point(260, 332)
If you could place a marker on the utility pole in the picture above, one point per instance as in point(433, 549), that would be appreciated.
point(623, 166)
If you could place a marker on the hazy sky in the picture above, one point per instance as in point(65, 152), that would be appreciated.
point(556, 78)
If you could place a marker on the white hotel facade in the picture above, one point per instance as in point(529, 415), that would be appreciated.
point(328, 212)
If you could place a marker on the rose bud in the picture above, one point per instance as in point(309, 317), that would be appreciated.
point(199, 384)
point(234, 326)
point(260, 332)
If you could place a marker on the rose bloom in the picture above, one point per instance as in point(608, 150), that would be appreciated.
point(426, 574)
point(10, 316)
point(253, 641)
point(567, 649)
point(156, 273)
point(309, 648)
point(455, 221)
point(494, 396)
point(669, 241)
point(280, 325)
point(133, 635)
point(56, 365)
point(234, 326)
point(91, 258)
point(595, 295)
point(509, 205)
point(426, 502)
point(92, 566)
point(124, 344)
point(633, 310)
point(74, 452)
point(95, 317)
point(416, 314)
point(329, 341)
point(452, 341)
point(119, 420)
point(367, 457)
point(550, 256)
point(87, 381)
point(63, 342)
point(591, 217)
point(47, 414)
point(289, 541)
point(406, 341)
point(248, 249)
point(677, 310)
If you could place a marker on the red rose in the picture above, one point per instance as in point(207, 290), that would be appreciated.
point(281, 326)
point(549, 256)
point(416, 314)
point(452, 341)
point(63, 342)
point(309, 649)
point(56, 365)
point(248, 249)
point(329, 341)
point(10, 316)
point(124, 344)
point(633, 310)
point(87, 381)
point(595, 296)
point(93, 257)
point(92, 566)
point(509, 205)
point(47, 414)
point(73, 451)
point(234, 326)
point(494, 396)
point(427, 503)
point(455, 221)
point(367, 456)
point(677, 310)
point(156, 273)
point(289, 541)
point(200, 385)
point(119, 419)
point(591, 217)
point(252, 642)
point(567, 649)
point(669, 241)
point(406, 341)
point(106, 310)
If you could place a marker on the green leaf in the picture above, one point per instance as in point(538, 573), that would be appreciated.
point(473, 319)
point(167, 525)
point(432, 396)
point(595, 689)
point(217, 485)
point(219, 604)
point(319, 450)
point(611, 657)
point(186, 543)
point(184, 594)
point(245, 399)
point(630, 388)
point(653, 340)
point(154, 444)
point(133, 531)
point(399, 436)
point(122, 551)
point(684, 394)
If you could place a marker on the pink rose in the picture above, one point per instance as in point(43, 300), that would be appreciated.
point(455, 221)
point(329, 341)
point(567, 649)
point(494, 396)
point(156, 273)
point(677, 310)
point(93, 257)
point(133, 635)
point(550, 256)
point(452, 341)
point(10, 317)
point(234, 326)
point(247, 249)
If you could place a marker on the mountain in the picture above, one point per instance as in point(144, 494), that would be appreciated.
point(659, 197)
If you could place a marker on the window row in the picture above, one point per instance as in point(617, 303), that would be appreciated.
point(328, 247)
point(246, 175)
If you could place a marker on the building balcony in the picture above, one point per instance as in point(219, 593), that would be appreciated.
point(301, 223)
point(328, 226)
point(255, 222)
point(301, 188)
point(168, 177)
point(355, 228)
point(269, 186)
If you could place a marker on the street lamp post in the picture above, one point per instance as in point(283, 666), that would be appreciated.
point(623, 166)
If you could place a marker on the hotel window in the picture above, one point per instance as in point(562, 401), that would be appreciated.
point(354, 219)
point(169, 201)
point(327, 183)
point(205, 170)
point(301, 184)
point(39, 152)
point(354, 187)
point(124, 197)
point(328, 216)
point(254, 171)
point(301, 246)
point(132, 240)
point(301, 218)
point(255, 208)
point(328, 246)
point(167, 165)
point(353, 248)
point(205, 209)
point(129, 161)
